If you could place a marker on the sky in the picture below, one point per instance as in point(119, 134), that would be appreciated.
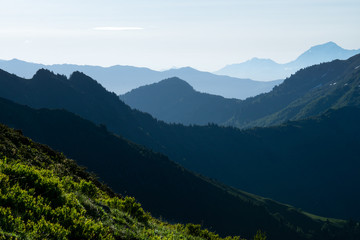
point(161, 34)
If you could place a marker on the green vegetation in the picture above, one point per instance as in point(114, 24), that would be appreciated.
point(260, 235)
point(44, 195)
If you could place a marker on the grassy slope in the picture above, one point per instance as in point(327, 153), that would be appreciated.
point(44, 195)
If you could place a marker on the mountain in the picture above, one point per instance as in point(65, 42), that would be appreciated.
point(47, 196)
point(121, 79)
point(259, 69)
point(175, 101)
point(230, 155)
point(165, 188)
point(309, 92)
point(266, 69)
point(322, 53)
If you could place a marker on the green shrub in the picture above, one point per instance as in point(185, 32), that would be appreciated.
point(88, 188)
point(260, 235)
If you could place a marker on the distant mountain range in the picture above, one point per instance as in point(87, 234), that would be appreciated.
point(309, 92)
point(121, 79)
point(269, 162)
point(225, 82)
point(162, 186)
point(267, 69)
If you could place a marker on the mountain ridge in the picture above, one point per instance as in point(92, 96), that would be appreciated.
point(174, 101)
point(121, 79)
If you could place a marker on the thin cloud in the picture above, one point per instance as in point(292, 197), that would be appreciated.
point(117, 28)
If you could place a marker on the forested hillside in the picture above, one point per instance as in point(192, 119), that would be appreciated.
point(160, 184)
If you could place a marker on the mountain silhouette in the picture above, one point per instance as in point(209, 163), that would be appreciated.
point(175, 101)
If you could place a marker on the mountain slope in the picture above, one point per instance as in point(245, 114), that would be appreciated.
point(309, 92)
point(266, 69)
point(163, 187)
point(47, 196)
point(121, 79)
point(230, 155)
point(174, 101)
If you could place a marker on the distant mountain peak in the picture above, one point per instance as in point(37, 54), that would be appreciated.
point(261, 60)
point(176, 83)
point(16, 60)
point(78, 74)
point(331, 43)
point(323, 53)
point(326, 46)
point(184, 69)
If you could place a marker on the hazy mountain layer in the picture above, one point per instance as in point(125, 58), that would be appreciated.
point(121, 79)
point(267, 69)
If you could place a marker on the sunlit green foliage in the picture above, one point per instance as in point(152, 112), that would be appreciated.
point(43, 195)
point(37, 204)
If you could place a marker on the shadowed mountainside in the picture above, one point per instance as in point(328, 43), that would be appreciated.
point(47, 196)
point(309, 92)
point(175, 101)
point(228, 154)
point(164, 187)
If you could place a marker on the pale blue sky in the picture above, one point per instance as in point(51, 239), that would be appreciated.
point(205, 34)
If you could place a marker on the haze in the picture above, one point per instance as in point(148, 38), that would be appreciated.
point(160, 34)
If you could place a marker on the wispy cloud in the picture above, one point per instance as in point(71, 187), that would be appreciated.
point(117, 28)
